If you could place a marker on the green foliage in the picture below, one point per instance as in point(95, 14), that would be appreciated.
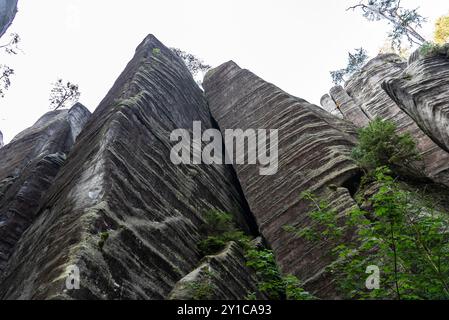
point(156, 51)
point(356, 61)
point(193, 63)
point(429, 49)
point(104, 236)
point(220, 229)
point(324, 217)
point(271, 282)
point(404, 22)
point(404, 235)
point(202, 289)
point(379, 145)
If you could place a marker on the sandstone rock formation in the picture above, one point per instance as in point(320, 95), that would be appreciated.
point(363, 99)
point(421, 91)
point(8, 10)
point(120, 210)
point(314, 149)
point(28, 166)
point(224, 276)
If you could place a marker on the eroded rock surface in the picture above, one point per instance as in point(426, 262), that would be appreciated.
point(314, 152)
point(224, 276)
point(120, 210)
point(28, 166)
point(363, 99)
point(422, 91)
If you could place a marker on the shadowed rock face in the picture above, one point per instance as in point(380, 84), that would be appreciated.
point(363, 99)
point(120, 210)
point(1, 139)
point(28, 166)
point(314, 149)
point(422, 92)
point(8, 10)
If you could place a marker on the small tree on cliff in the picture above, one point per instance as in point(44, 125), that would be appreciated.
point(63, 93)
point(11, 47)
point(195, 65)
point(405, 22)
point(356, 61)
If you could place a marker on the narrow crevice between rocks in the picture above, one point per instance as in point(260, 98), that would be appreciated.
point(248, 216)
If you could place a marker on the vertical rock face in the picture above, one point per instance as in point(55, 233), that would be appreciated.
point(365, 100)
point(28, 166)
point(421, 91)
point(1, 139)
point(120, 210)
point(314, 149)
point(8, 10)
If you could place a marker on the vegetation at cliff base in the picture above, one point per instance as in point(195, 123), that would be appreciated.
point(396, 228)
point(220, 229)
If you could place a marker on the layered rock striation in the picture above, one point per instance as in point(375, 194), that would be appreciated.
point(28, 166)
point(314, 153)
point(421, 91)
point(363, 99)
point(120, 211)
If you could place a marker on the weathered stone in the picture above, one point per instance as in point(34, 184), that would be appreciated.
point(369, 101)
point(329, 105)
point(8, 10)
point(120, 210)
point(28, 166)
point(1, 139)
point(422, 91)
point(224, 276)
point(314, 152)
point(350, 110)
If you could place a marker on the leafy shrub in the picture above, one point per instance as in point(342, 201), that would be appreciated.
point(379, 145)
point(271, 282)
point(202, 289)
point(430, 49)
point(220, 229)
point(403, 234)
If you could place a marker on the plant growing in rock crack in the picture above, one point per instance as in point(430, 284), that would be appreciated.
point(433, 49)
point(104, 236)
point(220, 229)
point(379, 145)
point(402, 233)
point(271, 282)
point(202, 289)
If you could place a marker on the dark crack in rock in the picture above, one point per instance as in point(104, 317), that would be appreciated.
point(120, 210)
point(314, 153)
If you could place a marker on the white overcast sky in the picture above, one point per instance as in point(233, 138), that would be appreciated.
point(292, 43)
